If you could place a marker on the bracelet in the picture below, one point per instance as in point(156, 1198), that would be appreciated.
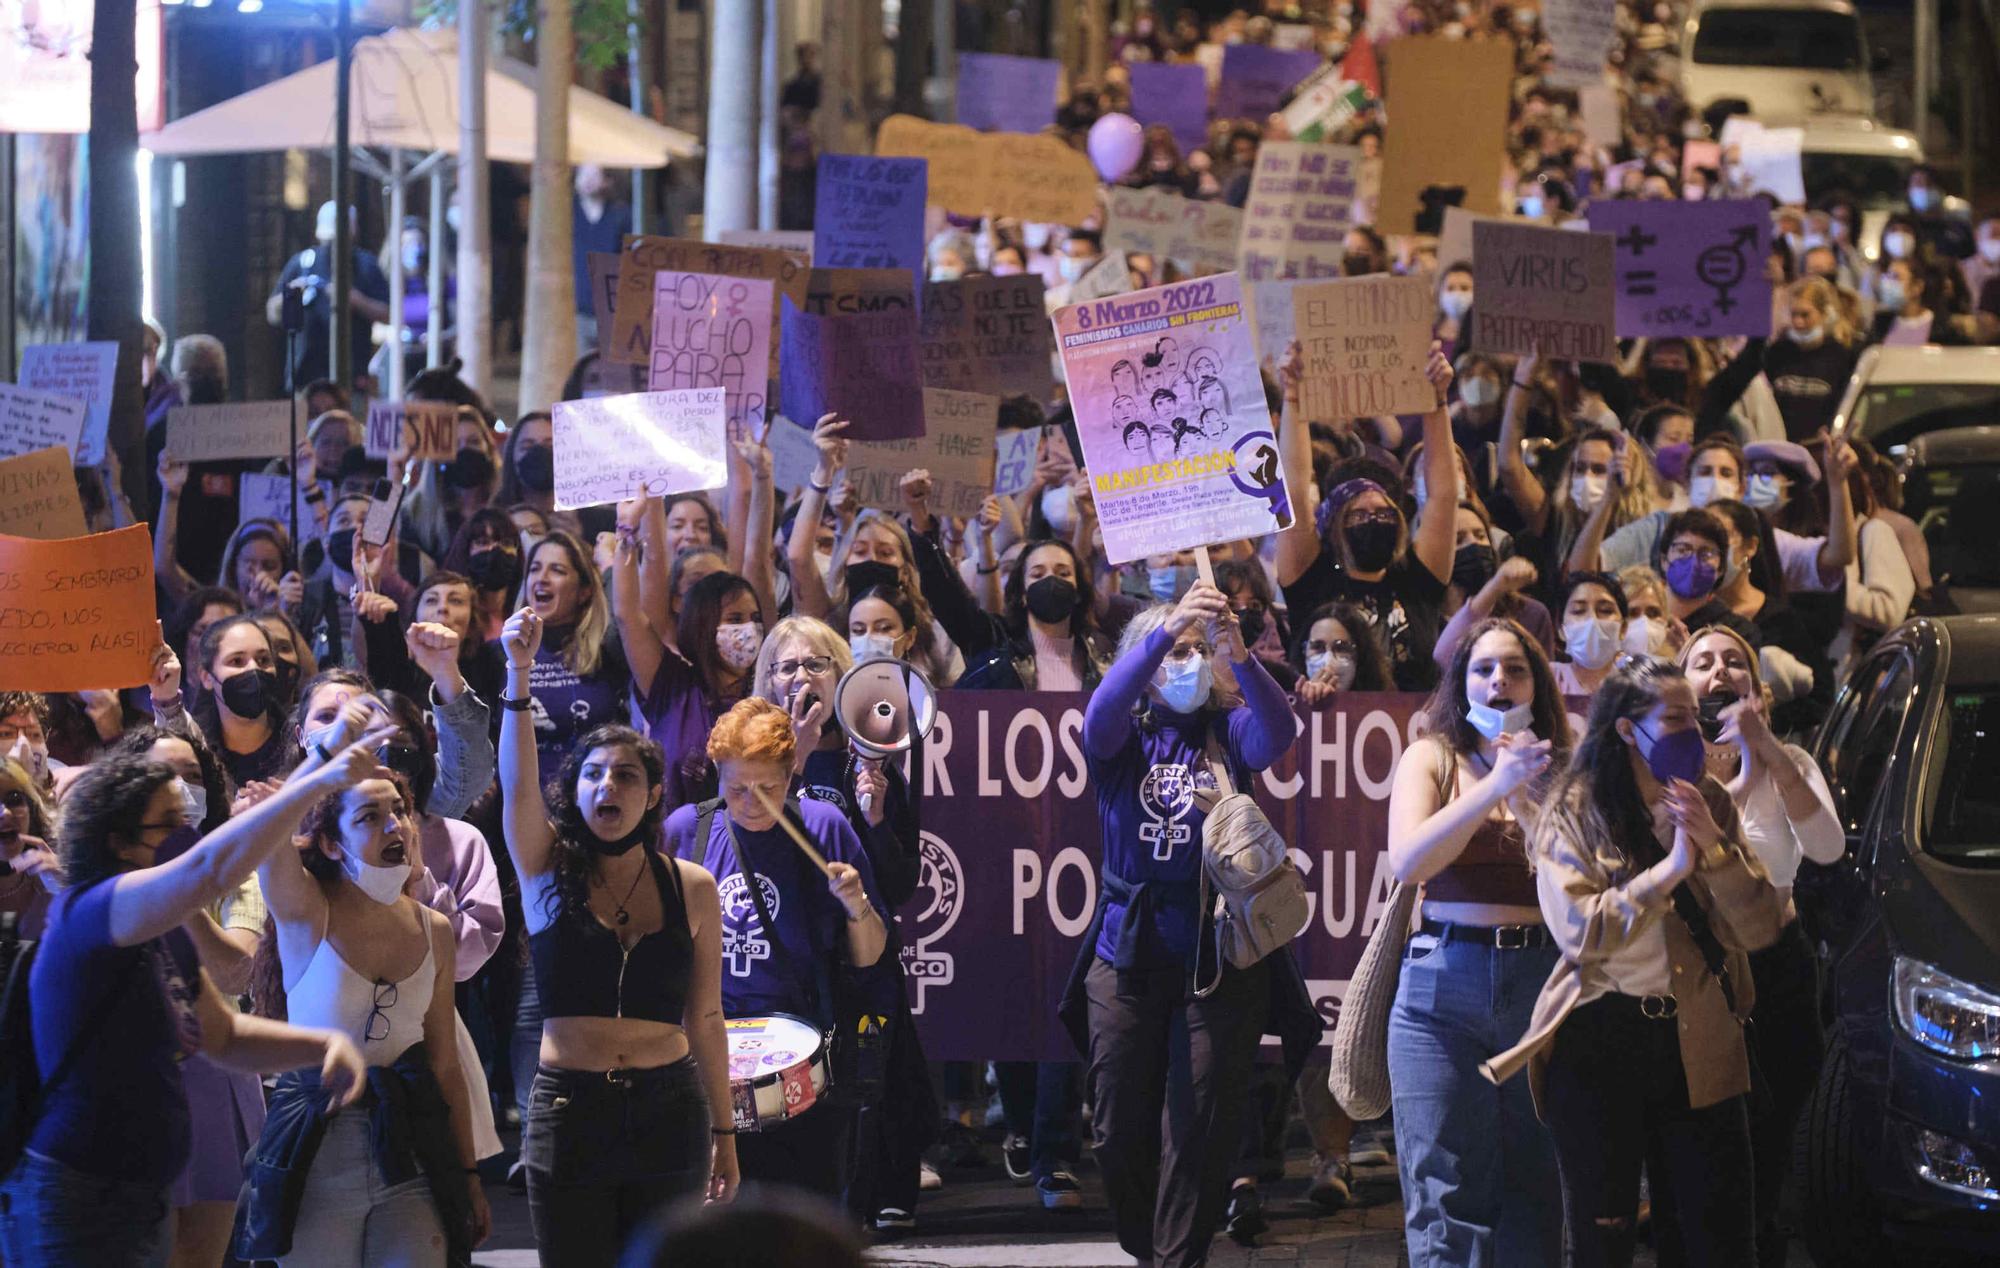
point(817, 487)
point(471, 1171)
point(866, 912)
point(1521, 385)
point(514, 705)
point(316, 496)
point(985, 571)
point(722, 1131)
point(319, 751)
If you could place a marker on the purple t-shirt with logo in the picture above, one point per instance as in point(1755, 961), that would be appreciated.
point(757, 977)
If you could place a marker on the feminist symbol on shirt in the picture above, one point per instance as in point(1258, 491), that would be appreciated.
point(742, 943)
point(1166, 793)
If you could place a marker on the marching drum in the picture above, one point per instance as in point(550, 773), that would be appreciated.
point(777, 1069)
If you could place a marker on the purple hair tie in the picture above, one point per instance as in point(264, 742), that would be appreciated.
point(1343, 493)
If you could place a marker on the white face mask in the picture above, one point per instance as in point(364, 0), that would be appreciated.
point(1455, 304)
point(1494, 723)
point(1342, 666)
point(1592, 642)
point(945, 273)
point(822, 561)
point(1897, 243)
point(1703, 489)
point(194, 800)
point(1587, 489)
point(871, 646)
point(1989, 250)
point(1059, 509)
point(738, 644)
point(383, 884)
point(1645, 636)
point(1809, 338)
point(1479, 391)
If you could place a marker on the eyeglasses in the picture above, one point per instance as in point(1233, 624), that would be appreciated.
point(1338, 646)
point(165, 825)
point(385, 999)
point(1682, 550)
point(1180, 655)
point(1380, 515)
point(814, 665)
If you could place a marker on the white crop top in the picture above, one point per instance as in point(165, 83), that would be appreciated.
point(332, 996)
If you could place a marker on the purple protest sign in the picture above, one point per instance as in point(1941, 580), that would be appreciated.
point(1256, 77)
point(1688, 268)
point(865, 367)
point(998, 93)
point(1011, 839)
point(869, 213)
point(711, 331)
point(1174, 94)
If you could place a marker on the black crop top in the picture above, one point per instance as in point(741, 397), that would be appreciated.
point(581, 969)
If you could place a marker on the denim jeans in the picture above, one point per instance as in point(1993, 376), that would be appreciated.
point(348, 1218)
point(524, 1046)
point(53, 1216)
point(1043, 1101)
point(1479, 1177)
point(604, 1152)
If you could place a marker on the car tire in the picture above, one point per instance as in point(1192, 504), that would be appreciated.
point(1841, 1223)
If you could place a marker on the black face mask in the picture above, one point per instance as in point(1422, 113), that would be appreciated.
point(1372, 545)
point(471, 469)
point(866, 575)
point(1473, 565)
point(1712, 706)
point(340, 548)
point(1667, 385)
point(612, 848)
point(1252, 622)
point(494, 569)
point(249, 694)
point(1052, 599)
point(536, 465)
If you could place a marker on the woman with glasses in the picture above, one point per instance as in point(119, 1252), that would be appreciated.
point(1339, 651)
point(1150, 732)
point(29, 872)
point(349, 950)
point(117, 1006)
point(1359, 549)
point(1635, 1053)
point(1478, 1173)
point(1693, 556)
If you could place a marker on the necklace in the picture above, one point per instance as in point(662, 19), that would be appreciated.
point(621, 915)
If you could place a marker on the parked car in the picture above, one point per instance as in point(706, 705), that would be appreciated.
point(1899, 1155)
point(1951, 488)
point(1898, 394)
point(1785, 60)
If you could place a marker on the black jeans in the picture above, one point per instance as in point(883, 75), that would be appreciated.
point(808, 1152)
point(604, 1151)
point(1787, 1046)
point(1615, 1100)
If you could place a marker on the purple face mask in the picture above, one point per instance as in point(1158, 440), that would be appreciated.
point(1691, 577)
point(1675, 755)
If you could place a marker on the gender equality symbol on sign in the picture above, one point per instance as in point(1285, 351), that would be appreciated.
point(1721, 266)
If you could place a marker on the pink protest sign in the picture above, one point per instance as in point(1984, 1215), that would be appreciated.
point(1176, 436)
point(714, 331)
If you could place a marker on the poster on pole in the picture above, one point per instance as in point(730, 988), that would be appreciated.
point(86, 372)
point(1365, 342)
point(868, 213)
point(714, 331)
point(866, 367)
point(38, 496)
point(632, 317)
point(31, 420)
point(1692, 269)
point(1541, 290)
point(1171, 413)
point(956, 448)
point(425, 430)
point(649, 444)
point(1001, 93)
point(1300, 207)
point(1174, 95)
point(1582, 33)
point(988, 335)
point(1200, 237)
point(79, 612)
point(1446, 142)
point(1008, 174)
point(1270, 305)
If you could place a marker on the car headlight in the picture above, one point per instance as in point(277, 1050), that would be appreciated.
point(1946, 1014)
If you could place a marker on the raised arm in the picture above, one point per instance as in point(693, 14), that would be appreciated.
point(1842, 536)
point(654, 590)
point(1107, 719)
point(757, 529)
point(1722, 391)
point(1437, 522)
point(1520, 485)
point(809, 594)
point(1298, 542)
point(465, 756)
point(642, 640)
point(525, 817)
point(1513, 575)
point(175, 581)
point(1262, 731)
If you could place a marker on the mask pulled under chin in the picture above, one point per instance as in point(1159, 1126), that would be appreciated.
point(382, 884)
point(1494, 723)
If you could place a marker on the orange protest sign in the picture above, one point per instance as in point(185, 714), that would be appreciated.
point(77, 614)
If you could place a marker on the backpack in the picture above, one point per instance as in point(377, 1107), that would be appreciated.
point(1260, 898)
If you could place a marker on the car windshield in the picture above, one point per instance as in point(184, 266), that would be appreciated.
point(1964, 822)
point(1873, 180)
point(1958, 510)
point(1891, 415)
point(1797, 39)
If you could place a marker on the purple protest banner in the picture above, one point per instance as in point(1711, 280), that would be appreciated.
point(1688, 268)
point(998, 93)
point(1011, 839)
point(869, 213)
point(863, 366)
point(1256, 77)
point(1175, 94)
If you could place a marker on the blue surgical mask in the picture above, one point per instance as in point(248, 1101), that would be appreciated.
point(1073, 267)
point(1494, 723)
point(1924, 199)
point(1168, 584)
point(1764, 492)
point(1890, 291)
point(1184, 685)
point(1532, 207)
point(867, 646)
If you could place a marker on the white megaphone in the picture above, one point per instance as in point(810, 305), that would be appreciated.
point(885, 706)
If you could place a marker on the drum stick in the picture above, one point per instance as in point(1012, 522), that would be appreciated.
point(791, 830)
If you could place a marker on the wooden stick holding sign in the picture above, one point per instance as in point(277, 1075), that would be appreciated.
point(791, 829)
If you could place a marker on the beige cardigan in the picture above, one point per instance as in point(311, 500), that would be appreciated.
point(1592, 912)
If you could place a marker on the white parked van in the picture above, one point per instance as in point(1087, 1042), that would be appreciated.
point(1785, 59)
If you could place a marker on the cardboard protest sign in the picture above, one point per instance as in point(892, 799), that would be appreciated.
point(1603, 117)
point(1683, 268)
point(1174, 94)
point(1771, 161)
point(865, 367)
point(1014, 461)
point(642, 257)
point(1000, 93)
point(1300, 206)
point(35, 420)
point(1581, 32)
point(987, 334)
point(711, 331)
point(38, 496)
point(1365, 341)
point(837, 291)
point(956, 448)
point(798, 242)
point(250, 429)
point(1256, 77)
point(1542, 290)
point(428, 430)
point(1455, 243)
point(76, 614)
point(84, 371)
point(1032, 178)
point(1170, 410)
point(868, 213)
point(793, 455)
point(1447, 103)
point(1270, 307)
point(1201, 237)
point(649, 444)
point(1111, 275)
point(602, 267)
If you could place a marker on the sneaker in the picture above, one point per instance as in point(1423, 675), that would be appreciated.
point(892, 1220)
point(1245, 1216)
point(1332, 1183)
point(1019, 1161)
point(928, 1178)
point(1060, 1191)
point(1372, 1149)
point(517, 1177)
